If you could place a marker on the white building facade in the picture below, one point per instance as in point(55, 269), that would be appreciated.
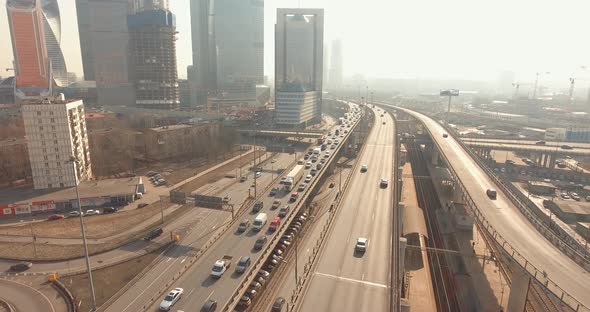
point(55, 132)
point(299, 45)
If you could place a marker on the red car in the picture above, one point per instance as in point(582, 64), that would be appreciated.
point(294, 196)
point(274, 225)
point(55, 217)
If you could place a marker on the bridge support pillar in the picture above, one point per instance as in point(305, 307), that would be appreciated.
point(552, 161)
point(434, 158)
point(545, 160)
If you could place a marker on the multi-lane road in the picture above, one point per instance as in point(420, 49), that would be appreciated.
point(344, 280)
point(507, 220)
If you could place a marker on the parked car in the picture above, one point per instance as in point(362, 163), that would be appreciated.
point(92, 212)
point(55, 217)
point(75, 213)
point(142, 205)
point(21, 266)
point(243, 178)
point(110, 210)
point(170, 299)
point(153, 234)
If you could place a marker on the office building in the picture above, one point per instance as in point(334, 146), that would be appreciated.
point(31, 62)
point(299, 42)
point(56, 130)
point(153, 50)
point(203, 46)
point(104, 43)
point(228, 51)
point(336, 65)
point(52, 27)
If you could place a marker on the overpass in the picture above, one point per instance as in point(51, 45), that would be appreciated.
point(284, 133)
point(551, 263)
point(550, 144)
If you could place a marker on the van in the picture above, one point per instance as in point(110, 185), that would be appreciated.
point(260, 221)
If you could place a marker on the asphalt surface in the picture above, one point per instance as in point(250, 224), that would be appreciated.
point(530, 148)
point(344, 280)
point(25, 298)
point(508, 221)
point(553, 144)
point(146, 288)
point(198, 285)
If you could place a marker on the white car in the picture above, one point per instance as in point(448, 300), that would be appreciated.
point(170, 299)
point(308, 178)
point(74, 213)
point(361, 244)
point(364, 168)
point(308, 165)
point(91, 212)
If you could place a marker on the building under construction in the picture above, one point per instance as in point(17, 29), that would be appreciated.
point(153, 47)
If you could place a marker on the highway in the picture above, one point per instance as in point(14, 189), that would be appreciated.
point(196, 281)
point(507, 219)
point(344, 280)
point(530, 148)
point(553, 144)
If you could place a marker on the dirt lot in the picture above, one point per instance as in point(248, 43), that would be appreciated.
point(100, 226)
point(217, 174)
point(53, 252)
point(107, 281)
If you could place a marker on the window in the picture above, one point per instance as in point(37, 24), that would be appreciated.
point(45, 157)
point(55, 141)
point(61, 185)
point(56, 149)
point(46, 165)
point(58, 163)
point(49, 185)
point(52, 119)
point(52, 127)
point(47, 172)
point(40, 121)
point(38, 113)
point(51, 113)
point(41, 128)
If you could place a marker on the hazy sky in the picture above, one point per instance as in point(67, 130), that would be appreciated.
point(467, 39)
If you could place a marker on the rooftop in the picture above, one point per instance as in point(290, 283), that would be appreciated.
point(170, 128)
point(87, 189)
point(574, 207)
point(12, 141)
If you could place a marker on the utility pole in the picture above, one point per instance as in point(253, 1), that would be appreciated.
point(34, 239)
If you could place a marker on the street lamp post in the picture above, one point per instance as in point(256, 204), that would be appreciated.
point(73, 160)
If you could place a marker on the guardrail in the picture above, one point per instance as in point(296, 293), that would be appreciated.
point(255, 267)
point(539, 276)
point(68, 296)
point(5, 306)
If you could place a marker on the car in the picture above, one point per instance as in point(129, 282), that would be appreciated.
point(244, 225)
point(226, 199)
point(308, 165)
point(91, 212)
point(244, 303)
point(284, 211)
point(540, 143)
point(260, 242)
point(209, 306)
point(257, 206)
point(109, 210)
point(445, 135)
point(313, 160)
point(243, 264)
point(264, 274)
point(142, 205)
point(364, 168)
point(170, 299)
point(257, 175)
point(308, 178)
point(332, 184)
point(305, 157)
point(243, 179)
point(384, 183)
point(153, 234)
point(361, 244)
point(274, 224)
point(294, 196)
point(565, 196)
point(333, 146)
point(492, 193)
point(313, 171)
point(151, 173)
point(567, 147)
point(510, 162)
point(302, 187)
point(273, 161)
point(384, 122)
point(275, 204)
point(220, 266)
point(75, 213)
point(21, 266)
point(319, 166)
point(575, 196)
point(55, 217)
point(274, 191)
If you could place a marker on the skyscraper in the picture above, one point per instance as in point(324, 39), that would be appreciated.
point(55, 128)
point(153, 48)
point(336, 65)
point(52, 27)
point(203, 44)
point(299, 42)
point(31, 62)
point(228, 50)
point(104, 43)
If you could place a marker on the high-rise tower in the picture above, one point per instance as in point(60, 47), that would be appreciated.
point(299, 45)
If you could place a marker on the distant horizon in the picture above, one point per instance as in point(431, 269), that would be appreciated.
point(457, 39)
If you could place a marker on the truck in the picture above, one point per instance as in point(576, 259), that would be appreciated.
point(259, 221)
point(317, 151)
point(221, 266)
point(293, 177)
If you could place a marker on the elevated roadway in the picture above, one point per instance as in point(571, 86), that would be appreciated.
point(540, 149)
point(344, 280)
point(285, 133)
point(507, 220)
point(553, 144)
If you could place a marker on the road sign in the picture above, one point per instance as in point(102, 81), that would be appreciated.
point(208, 201)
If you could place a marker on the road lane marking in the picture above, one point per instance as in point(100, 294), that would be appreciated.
point(211, 294)
point(150, 285)
point(352, 280)
point(192, 290)
point(183, 260)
